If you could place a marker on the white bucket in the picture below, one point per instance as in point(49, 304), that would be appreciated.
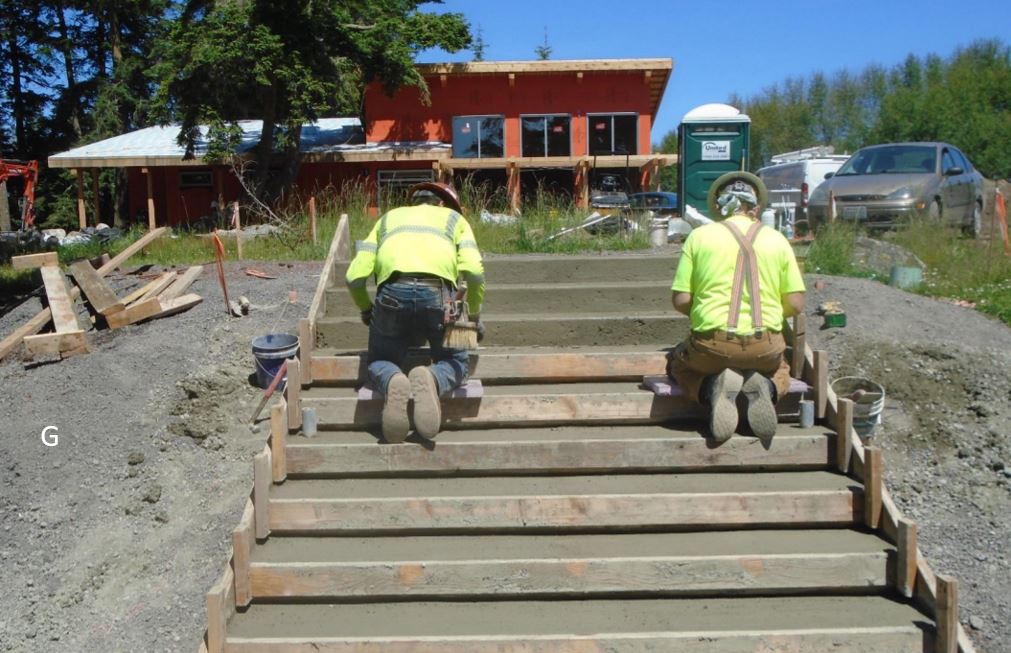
point(868, 402)
point(658, 232)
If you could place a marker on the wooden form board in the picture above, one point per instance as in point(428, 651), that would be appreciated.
point(262, 478)
point(152, 308)
point(723, 575)
point(220, 602)
point(181, 283)
point(681, 454)
point(32, 261)
point(101, 297)
point(292, 394)
point(60, 302)
point(242, 546)
point(160, 284)
point(67, 343)
point(278, 437)
point(685, 511)
point(528, 367)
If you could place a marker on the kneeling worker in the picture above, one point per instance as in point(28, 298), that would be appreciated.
point(737, 281)
point(416, 254)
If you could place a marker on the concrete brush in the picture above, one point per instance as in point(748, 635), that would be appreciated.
point(459, 333)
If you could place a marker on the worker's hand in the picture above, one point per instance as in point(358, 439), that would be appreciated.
point(367, 316)
point(476, 319)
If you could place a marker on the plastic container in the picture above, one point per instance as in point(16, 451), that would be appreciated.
point(269, 352)
point(868, 402)
point(901, 276)
point(658, 232)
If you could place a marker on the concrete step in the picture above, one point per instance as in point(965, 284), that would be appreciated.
point(637, 296)
point(512, 365)
point(638, 326)
point(726, 563)
point(857, 624)
point(564, 503)
point(524, 405)
point(557, 450)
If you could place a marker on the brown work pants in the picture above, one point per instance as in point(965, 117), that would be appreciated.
point(703, 355)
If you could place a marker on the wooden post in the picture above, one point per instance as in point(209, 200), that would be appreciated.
point(261, 490)
point(306, 343)
point(220, 184)
point(799, 345)
point(312, 218)
point(278, 436)
point(513, 185)
point(872, 487)
point(237, 225)
point(584, 185)
point(292, 393)
point(820, 383)
point(94, 195)
point(82, 217)
point(947, 615)
point(242, 544)
point(905, 573)
point(844, 437)
point(150, 199)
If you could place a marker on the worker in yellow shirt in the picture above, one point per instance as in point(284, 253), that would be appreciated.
point(737, 281)
point(416, 254)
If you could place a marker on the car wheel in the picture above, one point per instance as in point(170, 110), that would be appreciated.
point(974, 227)
point(936, 214)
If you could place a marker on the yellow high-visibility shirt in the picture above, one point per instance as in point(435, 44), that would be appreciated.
point(706, 270)
point(423, 239)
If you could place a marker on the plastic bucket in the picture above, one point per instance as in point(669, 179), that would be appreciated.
point(658, 232)
point(868, 402)
point(270, 351)
point(904, 277)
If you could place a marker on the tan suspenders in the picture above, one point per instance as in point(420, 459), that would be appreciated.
point(747, 263)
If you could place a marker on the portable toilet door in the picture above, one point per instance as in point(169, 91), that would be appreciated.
point(713, 139)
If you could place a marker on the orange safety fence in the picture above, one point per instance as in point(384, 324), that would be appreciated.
point(1000, 213)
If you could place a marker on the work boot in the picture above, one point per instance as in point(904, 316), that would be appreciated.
point(395, 421)
point(427, 408)
point(762, 419)
point(722, 397)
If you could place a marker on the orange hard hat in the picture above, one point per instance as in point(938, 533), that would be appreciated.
point(444, 192)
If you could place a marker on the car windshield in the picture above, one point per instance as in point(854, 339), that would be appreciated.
point(893, 159)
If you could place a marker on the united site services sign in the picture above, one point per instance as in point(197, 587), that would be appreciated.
point(715, 150)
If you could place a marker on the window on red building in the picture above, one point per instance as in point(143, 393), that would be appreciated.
point(478, 137)
point(613, 133)
point(546, 135)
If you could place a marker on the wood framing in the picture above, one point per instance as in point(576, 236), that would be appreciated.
point(844, 435)
point(32, 261)
point(947, 615)
point(151, 221)
point(161, 283)
point(220, 602)
point(798, 345)
point(306, 345)
point(82, 216)
point(95, 199)
point(279, 436)
point(180, 284)
point(243, 540)
point(820, 379)
point(262, 476)
point(101, 297)
point(872, 487)
point(292, 393)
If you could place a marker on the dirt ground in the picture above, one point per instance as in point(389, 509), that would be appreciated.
point(109, 540)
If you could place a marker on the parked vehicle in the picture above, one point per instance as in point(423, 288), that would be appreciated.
point(792, 179)
point(659, 202)
point(882, 186)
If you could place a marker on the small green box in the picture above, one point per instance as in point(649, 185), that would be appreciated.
point(835, 320)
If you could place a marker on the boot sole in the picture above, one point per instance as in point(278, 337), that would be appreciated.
point(723, 419)
point(427, 409)
point(396, 424)
point(761, 413)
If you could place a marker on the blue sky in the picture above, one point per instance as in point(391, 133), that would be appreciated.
point(731, 46)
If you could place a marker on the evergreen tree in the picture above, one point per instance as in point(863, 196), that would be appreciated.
point(543, 51)
point(479, 47)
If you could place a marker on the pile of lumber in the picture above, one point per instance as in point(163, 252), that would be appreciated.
point(163, 296)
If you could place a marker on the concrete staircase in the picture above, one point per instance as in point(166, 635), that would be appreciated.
point(568, 509)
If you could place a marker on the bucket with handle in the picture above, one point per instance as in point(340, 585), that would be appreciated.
point(868, 401)
point(270, 351)
point(658, 232)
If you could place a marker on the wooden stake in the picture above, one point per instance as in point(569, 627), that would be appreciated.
point(306, 343)
point(237, 225)
point(278, 437)
point(220, 606)
point(242, 545)
point(799, 345)
point(844, 437)
point(261, 490)
point(905, 576)
point(947, 615)
point(872, 487)
point(150, 199)
point(312, 218)
point(94, 195)
point(820, 383)
point(292, 393)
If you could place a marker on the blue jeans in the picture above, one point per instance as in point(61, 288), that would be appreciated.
point(405, 313)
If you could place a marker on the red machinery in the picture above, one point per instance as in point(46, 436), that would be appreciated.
point(29, 171)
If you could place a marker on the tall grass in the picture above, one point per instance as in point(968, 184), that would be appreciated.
point(832, 251)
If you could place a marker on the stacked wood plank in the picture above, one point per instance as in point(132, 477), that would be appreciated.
point(160, 298)
point(568, 509)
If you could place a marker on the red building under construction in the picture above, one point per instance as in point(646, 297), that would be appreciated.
point(513, 123)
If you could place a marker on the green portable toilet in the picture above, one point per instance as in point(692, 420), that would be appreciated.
point(713, 139)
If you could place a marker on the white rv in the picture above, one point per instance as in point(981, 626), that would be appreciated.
point(792, 177)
